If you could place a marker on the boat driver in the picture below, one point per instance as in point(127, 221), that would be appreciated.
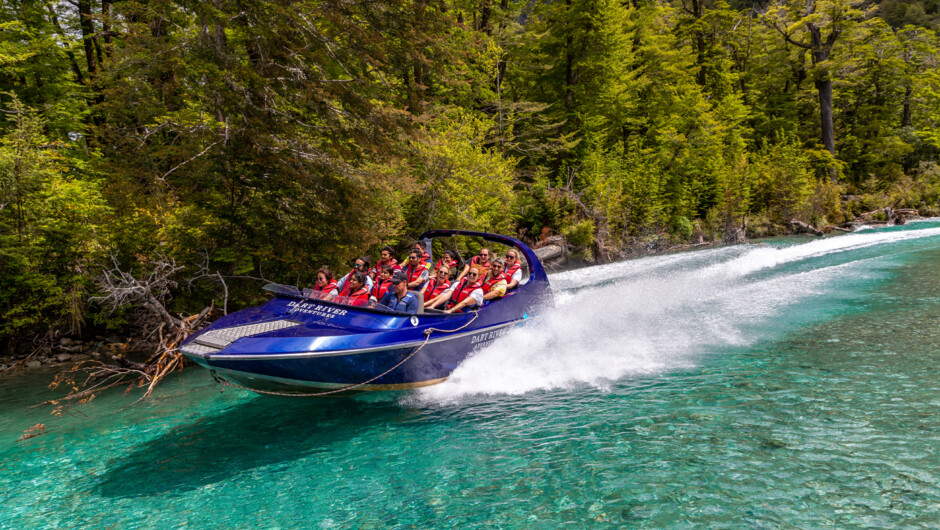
point(399, 298)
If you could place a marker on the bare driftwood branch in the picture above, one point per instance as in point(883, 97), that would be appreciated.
point(122, 288)
point(802, 228)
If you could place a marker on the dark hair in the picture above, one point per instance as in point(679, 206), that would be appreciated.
point(420, 243)
point(390, 250)
point(326, 272)
point(359, 276)
point(388, 269)
point(365, 260)
point(415, 252)
point(456, 257)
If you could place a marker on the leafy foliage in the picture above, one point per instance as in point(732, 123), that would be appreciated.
point(262, 140)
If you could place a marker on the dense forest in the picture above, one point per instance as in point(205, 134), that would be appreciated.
point(222, 142)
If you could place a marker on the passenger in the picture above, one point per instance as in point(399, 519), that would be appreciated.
point(399, 298)
point(494, 286)
point(449, 260)
point(482, 260)
point(325, 288)
point(415, 271)
point(361, 265)
point(436, 285)
point(382, 283)
point(467, 292)
point(513, 269)
point(422, 247)
point(355, 291)
point(385, 258)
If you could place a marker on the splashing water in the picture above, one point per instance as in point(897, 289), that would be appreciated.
point(660, 313)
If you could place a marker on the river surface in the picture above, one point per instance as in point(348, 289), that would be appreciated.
point(794, 383)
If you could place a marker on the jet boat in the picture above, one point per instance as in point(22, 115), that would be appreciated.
point(294, 344)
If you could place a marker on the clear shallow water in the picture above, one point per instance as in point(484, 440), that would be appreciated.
point(788, 385)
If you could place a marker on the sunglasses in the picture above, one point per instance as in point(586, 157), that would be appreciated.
point(510, 256)
point(357, 265)
point(472, 274)
point(441, 273)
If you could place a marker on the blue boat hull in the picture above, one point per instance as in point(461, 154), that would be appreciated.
point(295, 345)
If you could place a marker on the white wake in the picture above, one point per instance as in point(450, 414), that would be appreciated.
point(659, 313)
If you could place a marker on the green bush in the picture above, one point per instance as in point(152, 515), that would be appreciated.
point(680, 227)
point(580, 234)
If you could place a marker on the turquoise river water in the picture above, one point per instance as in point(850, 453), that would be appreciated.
point(789, 384)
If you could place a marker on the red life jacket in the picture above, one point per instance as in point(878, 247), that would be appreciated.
point(346, 289)
point(462, 291)
point(433, 289)
point(451, 265)
point(485, 266)
point(512, 270)
point(491, 282)
point(360, 297)
point(377, 270)
point(379, 288)
point(326, 290)
point(415, 274)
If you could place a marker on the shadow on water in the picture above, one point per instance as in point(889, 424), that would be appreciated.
point(258, 433)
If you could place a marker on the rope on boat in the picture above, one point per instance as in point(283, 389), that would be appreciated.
point(427, 337)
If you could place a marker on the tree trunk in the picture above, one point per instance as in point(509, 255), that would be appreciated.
point(569, 62)
point(106, 26)
point(824, 87)
point(823, 82)
point(54, 17)
point(906, 113)
point(88, 35)
point(485, 11)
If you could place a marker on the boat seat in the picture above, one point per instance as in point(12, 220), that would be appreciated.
point(420, 301)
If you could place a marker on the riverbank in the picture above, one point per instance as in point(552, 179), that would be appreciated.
point(65, 352)
point(558, 254)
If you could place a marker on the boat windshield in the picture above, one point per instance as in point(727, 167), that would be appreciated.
point(307, 294)
point(285, 290)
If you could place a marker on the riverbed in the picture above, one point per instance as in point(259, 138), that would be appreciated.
point(793, 382)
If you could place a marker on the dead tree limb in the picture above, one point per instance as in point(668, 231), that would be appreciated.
point(802, 228)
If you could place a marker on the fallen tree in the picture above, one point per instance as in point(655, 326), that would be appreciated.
point(149, 294)
point(802, 228)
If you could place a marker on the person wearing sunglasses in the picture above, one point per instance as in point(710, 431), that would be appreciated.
point(482, 260)
point(494, 286)
point(415, 272)
point(422, 247)
point(436, 285)
point(325, 288)
point(462, 294)
point(361, 265)
point(512, 270)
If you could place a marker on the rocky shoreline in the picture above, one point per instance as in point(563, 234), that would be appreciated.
point(68, 351)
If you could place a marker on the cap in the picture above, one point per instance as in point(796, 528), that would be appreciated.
point(398, 277)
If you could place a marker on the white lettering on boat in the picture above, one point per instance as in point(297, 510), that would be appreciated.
point(483, 340)
point(315, 309)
